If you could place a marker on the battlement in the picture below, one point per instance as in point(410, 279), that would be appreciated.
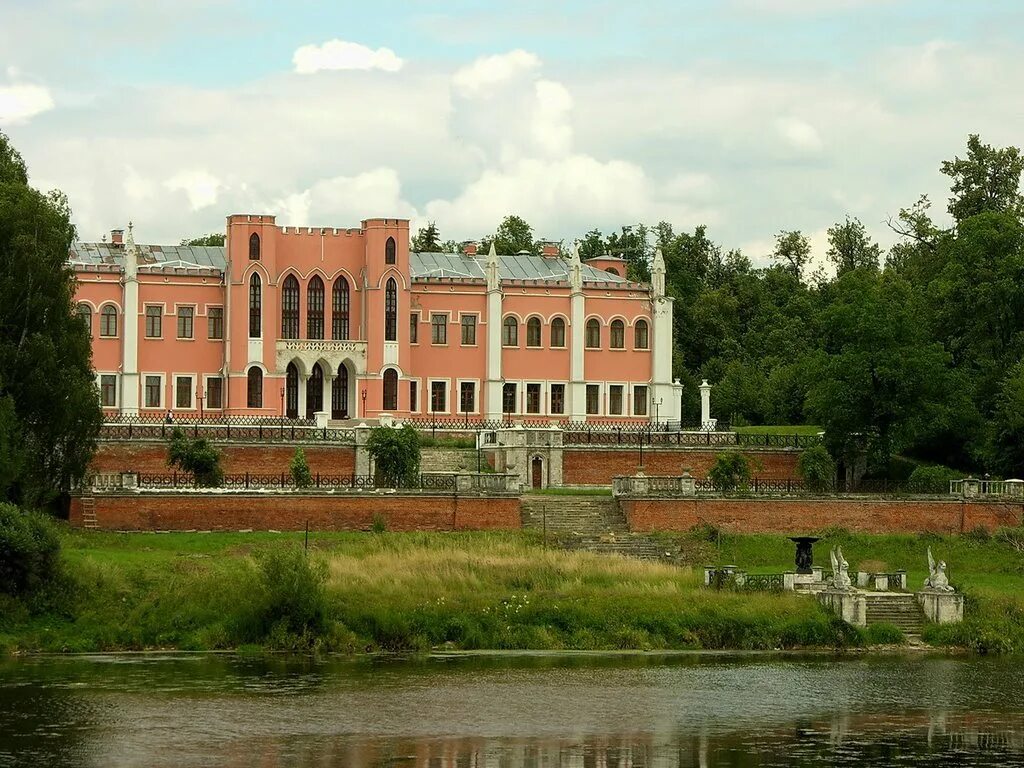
point(250, 218)
point(321, 231)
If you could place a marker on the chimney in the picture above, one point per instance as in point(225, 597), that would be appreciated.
point(549, 249)
point(469, 247)
point(117, 237)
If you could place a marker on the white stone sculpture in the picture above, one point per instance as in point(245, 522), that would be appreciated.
point(937, 579)
point(840, 570)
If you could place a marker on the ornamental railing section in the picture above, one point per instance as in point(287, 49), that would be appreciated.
point(436, 482)
point(233, 428)
point(971, 487)
point(688, 486)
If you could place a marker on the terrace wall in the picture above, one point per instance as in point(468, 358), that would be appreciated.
point(597, 466)
point(236, 458)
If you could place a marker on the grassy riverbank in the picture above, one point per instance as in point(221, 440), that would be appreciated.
point(396, 591)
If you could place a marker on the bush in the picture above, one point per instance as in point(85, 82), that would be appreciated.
point(817, 469)
point(931, 479)
point(379, 524)
point(294, 599)
point(884, 634)
point(196, 457)
point(395, 454)
point(29, 551)
point(730, 472)
point(299, 467)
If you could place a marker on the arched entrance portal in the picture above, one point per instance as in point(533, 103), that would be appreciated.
point(291, 386)
point(339, 394)
point(537, 472)
point(315, 391)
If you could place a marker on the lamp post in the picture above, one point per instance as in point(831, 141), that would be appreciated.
point(364, 402)
point(657, 406)
point(200, 396)
point(282, 410)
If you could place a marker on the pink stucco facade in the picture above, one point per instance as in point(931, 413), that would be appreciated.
point(349, 324)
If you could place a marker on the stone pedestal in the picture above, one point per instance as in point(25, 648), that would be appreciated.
point(362, 463)
point(941, 607)
point(321, 418)
point(848, 604)
point(687, 485)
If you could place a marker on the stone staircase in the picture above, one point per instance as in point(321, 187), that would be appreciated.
point(897, 608)
point(89, 513)
point(590, 524)
point(447, 460)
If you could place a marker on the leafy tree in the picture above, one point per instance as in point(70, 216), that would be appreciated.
point(299, 468)
point(988, 179)
point(792, 251)
point(212, 239)
point(29, 551)
point(730, 472)
point(395, 454)
point(850, 247)
point(630, 243)
point(46, 377)
point(427, 240)
point(513, 235)
point(196, 457)
point(592, 245)
point(931, 479)
point(1009, 425)
point(817, 468)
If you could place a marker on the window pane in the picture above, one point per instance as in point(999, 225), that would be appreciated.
point(615, 400)
point(215, 393)
point(254, 394)
point(183, 392)
point(593, 334)
point(437, 395)
point(108, 321)
point(467, 397)
point(215, 322)
point(154, 322)
point(533, 332)
point(558, 398)
point(185, 322)
point(641, 340)
point(391, 311)
point(255, 307)
point(438, 329)
point(469, 329)
point(389, 251)
point(254, 247)
point(558, 332)
point(533, 398)
point(108, 391)
point(510, 332)
point(414, 328)
point(413, 395)
point(290, 308)
point(508, 398)
point(153, 387)
point(315, 308)
point(640, 401)
point(339, 307)
point(391, 390)
point(593, 398)
point(618, 335)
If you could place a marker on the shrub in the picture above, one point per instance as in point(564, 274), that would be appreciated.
point(379, 524)
point(29, 551)
point(395, 454)
point(931, 479)
point(299, 467)
point(730, 472)
point(294, 599)
point(884, 634)
point(196, 457)
point(817, 469)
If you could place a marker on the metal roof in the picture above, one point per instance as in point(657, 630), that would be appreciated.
point(520, 266)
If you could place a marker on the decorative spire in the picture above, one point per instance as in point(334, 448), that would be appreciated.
point(493, 270)
point(131, 254)
point(658, 274)
point(575, 269)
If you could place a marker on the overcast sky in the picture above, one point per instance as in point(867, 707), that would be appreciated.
point(750, 116)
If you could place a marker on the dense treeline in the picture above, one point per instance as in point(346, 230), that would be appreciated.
point(915, 351)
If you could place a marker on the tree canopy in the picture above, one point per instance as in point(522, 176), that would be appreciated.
point(49, 407)
point(212, 239)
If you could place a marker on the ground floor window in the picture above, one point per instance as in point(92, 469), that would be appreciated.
point(154, 386)
point(558, 398)
point(414, 392)
point(640, 401)
point(508, 398)
point(183, 392)
point(467, 396)
point(215, 392)
point(533, 398)
point(438, 396)
point(108, 390)
point(615, 399)
point(593, 398)
point(254, 387)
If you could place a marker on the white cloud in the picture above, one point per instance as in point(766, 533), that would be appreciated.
point(341, 54)
point(20, 102)
point(799, 134)
point(489, 71)
point(200, 187)
point(550, 126)
point(135, 186)
point(345, 200)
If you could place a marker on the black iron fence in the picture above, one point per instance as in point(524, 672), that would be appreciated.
point(284, 481)
point(239, 428)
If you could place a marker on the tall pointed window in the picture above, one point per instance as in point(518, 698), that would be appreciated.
point(254, 247)
point(390, 390)
point(255, 306)
point(254, 397)
point(618, 335)
point(641, 335)
point(315, 308)
point(390, 256)
point(290, 308)
point(391, 311)
point(339, 394)
point(339, 309)
point(558, 332)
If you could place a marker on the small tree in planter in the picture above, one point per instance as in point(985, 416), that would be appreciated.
point(817, 468)
point(196, 457)
point(395, 454)
point(299, 467)
point(731, 471)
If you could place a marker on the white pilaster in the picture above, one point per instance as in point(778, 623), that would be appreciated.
point(130, 334)
point(577, 374)
point(662, 388)
point(492, 385)
point(302, 396)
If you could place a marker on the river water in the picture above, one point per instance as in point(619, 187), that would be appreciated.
point(512, 711)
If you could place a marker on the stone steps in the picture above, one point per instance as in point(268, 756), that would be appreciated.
point(447, 460)
point(900, 610)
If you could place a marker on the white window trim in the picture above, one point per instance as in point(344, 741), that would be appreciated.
point(195, 314)
point(632, 397)
point(625, 397)
point(447, 331)
point(565, 397)
point(163, 312)
point(419, 395)
point(174, 392)
point(476, 394)
point(117, 388)
point(206, 390)
point(163, 389)
point(447, 395)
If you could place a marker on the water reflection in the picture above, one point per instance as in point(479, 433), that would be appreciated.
point(511, 712)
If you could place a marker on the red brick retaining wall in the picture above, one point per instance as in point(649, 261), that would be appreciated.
point(809, 515)
point(289, 512)
point(236, 459)
point(591, 466)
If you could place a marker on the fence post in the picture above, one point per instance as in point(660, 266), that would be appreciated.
point(129, 430)
point(282, 481)
point(174, 480)
point(293, 431)
point(247, 480)
point(195, 430)
point(796, 440)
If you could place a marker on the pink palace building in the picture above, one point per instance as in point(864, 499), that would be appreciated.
point(349, 324)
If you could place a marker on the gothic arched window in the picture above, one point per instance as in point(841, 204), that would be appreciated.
point(339, 309)
point(390, 256)
point(391, 311)
point(315, 308)
point(254, 247)
point(290, 308)
point(390, 390)
point(255, 306)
